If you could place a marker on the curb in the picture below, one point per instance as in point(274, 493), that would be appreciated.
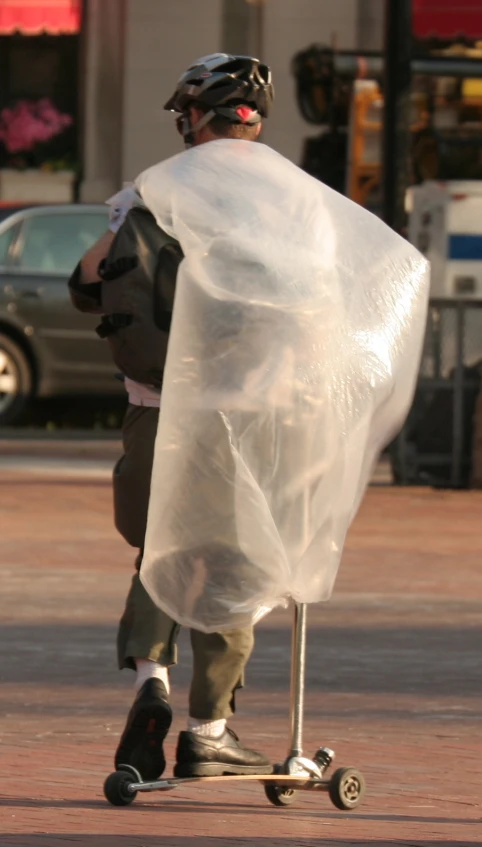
point(109, 449)
point(61, 448)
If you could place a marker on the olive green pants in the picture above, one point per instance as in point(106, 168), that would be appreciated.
point(145, 632)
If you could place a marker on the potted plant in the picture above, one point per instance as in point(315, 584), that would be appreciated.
point(39, 168)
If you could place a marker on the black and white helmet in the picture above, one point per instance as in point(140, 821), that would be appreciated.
point(237, 87)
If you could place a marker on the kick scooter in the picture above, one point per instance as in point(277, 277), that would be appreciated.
point(345, 788)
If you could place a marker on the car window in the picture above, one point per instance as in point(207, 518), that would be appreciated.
point(55, 243)
point(5, 242)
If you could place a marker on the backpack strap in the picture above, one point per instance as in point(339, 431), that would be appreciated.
point(120, 266)
point(111, 323)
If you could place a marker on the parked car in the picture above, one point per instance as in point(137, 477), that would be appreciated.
point(47, 348)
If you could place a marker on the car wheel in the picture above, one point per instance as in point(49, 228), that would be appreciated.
point(16, 380)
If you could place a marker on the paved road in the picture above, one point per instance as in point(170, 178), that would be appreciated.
point(394, 680)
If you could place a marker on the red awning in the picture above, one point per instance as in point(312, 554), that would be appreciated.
point(32, 17)
point(447, 18)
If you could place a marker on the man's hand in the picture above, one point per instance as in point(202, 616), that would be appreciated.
point(119, 204)
point(89, 265)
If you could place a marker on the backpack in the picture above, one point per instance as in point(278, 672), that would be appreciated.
point(139, 280)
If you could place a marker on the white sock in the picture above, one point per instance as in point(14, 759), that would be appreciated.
point(146, 669)
point(208, 729)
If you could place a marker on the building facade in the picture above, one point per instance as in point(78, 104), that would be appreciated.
point(135, 51)
point(93, 76)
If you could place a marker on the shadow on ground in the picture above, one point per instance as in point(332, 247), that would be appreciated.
point(175, 805)
point(341, 659)
point(92, 840)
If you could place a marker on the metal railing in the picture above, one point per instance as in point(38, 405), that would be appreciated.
point(435, 445)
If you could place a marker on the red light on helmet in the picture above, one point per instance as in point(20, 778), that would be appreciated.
point(245, 113)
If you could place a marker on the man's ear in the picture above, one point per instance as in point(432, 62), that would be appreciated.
point(259, 127)
point(195, 115)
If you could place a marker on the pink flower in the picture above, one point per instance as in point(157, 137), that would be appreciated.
point(29, 123)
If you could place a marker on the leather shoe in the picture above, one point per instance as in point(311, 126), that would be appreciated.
point(200, 756)
point(147, 725)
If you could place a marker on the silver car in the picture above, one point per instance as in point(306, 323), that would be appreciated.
point(48, 348)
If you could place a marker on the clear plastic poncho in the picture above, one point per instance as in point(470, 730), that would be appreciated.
point(293, 355)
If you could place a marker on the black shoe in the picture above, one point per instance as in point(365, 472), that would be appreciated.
point(198, 756)
point(147, 725)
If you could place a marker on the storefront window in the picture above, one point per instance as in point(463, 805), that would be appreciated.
point(39, 55)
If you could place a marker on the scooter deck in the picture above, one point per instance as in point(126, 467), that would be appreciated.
point(286, 780)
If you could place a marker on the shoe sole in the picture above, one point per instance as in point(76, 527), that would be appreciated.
point(219, 769)
point(141, 744)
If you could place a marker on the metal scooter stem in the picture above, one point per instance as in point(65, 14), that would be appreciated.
point(298, 667)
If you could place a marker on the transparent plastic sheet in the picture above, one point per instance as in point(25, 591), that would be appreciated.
point(295, 344)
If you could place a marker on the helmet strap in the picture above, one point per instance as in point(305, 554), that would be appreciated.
point(188, 130)
point(202, 122)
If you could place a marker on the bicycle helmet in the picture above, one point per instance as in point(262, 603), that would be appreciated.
point(238, 88)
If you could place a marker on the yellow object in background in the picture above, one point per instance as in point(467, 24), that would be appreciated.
point(472, 89)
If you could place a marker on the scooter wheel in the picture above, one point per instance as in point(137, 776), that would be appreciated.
point(277, 794)
point(346, 788)
point(116, 789)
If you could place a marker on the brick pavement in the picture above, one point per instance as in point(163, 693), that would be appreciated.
point(394, 681)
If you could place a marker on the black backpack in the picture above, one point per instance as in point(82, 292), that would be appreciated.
point(137, 294)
